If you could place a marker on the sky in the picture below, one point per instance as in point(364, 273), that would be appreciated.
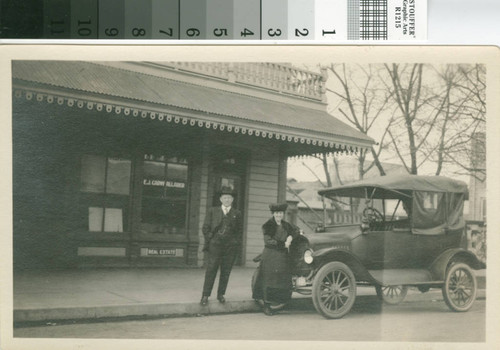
point(297, 170)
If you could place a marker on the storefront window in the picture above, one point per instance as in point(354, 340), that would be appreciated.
point(164, 194)
point(105, 186)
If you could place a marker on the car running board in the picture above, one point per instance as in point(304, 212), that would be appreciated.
point(393, 277)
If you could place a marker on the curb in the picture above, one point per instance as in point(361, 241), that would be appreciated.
point(100, 313)
point(44, 316)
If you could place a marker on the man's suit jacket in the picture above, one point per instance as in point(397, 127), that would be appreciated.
point(213, 221)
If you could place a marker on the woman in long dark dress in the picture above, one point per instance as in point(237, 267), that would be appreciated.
point(275, 275)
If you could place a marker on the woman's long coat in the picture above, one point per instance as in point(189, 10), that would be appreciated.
point(274, 269)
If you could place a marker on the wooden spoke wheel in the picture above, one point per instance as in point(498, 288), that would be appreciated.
point(392, 295)
point(334, 290)
point(460, 287)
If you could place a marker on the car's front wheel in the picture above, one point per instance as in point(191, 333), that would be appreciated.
point(334, 290)
point(460, 287)
point(392, 295)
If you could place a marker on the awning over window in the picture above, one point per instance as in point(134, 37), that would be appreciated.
point(92, 85)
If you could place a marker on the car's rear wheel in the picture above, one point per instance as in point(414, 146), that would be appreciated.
point(460, 287)
point(334, 290)
point(392, 295)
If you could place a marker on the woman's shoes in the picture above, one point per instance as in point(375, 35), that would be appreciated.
point(277, 307)
point(267, 310)
point(260, 302)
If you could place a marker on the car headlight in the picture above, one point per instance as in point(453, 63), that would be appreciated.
point(308, 256)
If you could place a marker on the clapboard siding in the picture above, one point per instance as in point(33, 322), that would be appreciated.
point(256, 246)
point(203, 204)
point(265, 171)
point(265, 185)
point(257, 227)
point(265, 163)
point(257, 192)
point(265, 178)
point(262, 189)
point(264, 197)
point(261, 212)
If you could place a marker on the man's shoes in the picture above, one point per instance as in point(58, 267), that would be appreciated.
point(204, 301)
point(221, 299)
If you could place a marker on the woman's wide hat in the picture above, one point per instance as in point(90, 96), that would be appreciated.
point(278, 207)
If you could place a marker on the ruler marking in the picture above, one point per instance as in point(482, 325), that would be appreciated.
point(353, 20)
point(138, 19)
point(84, 19)
point(193, 19)
point(301, 19)
point(111, 19)
point(165, 19)
point(220, 15)
point(56, 19)
point(247, 25)
point(274, 19)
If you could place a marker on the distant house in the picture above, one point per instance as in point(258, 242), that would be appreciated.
point(477, 181)
point(348, 170)
point(476, 213)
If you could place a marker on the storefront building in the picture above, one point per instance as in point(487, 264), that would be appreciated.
point(116, 163)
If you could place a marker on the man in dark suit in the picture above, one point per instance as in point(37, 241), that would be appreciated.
point(223, 231)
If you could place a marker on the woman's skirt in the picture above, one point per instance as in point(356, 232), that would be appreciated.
point(276, 276)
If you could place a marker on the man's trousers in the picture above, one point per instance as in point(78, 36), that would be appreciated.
point(223, 256)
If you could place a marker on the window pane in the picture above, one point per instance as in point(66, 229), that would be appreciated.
point(226, 184)
point(429, 212)
point(430, 200)
point(391, 205)
point(118, 180)
point(113, 220)
point(93, 170)
point(177, 175)
point(95, 219)
point(163, 216)
point(154, 179)
point(164, 191)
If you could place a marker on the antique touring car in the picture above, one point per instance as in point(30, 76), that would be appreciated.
point(409, 231)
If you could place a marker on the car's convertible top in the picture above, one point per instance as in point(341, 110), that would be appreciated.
point(396, 186)
point(434, 203)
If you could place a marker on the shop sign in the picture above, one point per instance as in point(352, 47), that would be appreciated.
point(161, 183)
point(163, 252)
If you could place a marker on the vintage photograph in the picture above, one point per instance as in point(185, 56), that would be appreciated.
point(251, 193)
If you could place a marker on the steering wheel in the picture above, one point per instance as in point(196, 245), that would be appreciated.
point(373, 214)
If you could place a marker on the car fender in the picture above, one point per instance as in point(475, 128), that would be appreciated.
point(324, 256)
point(441, 263)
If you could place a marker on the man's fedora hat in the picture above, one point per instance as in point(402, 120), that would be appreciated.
point(226, 190)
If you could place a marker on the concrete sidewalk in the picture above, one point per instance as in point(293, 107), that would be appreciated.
point(90, 295)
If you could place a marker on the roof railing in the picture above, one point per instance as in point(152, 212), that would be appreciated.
point(279, 77)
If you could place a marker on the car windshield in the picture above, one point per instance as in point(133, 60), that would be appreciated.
point(352, 210)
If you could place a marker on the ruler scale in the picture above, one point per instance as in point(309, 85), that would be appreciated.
point(276, 20)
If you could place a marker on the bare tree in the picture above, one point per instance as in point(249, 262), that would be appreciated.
point(420, 114)
point(364, 103)
point(439, 111)
point(470, 154)
point(451, 116)
point(409, 132)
